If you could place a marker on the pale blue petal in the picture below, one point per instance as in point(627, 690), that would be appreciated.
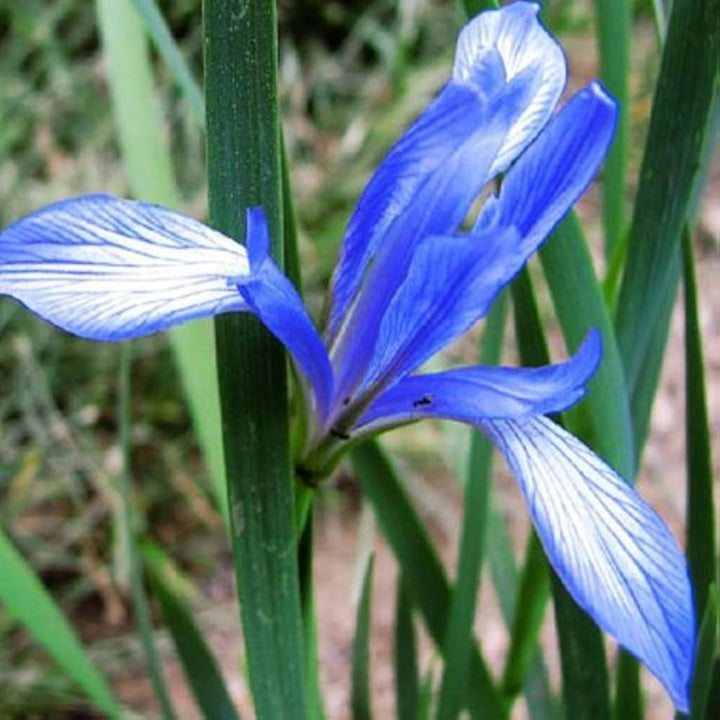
point(611, 550)
point(110, 269)
point(274, 300)
point(556, 169)
point(471, 394)
point(509, 73)
point(513, 34)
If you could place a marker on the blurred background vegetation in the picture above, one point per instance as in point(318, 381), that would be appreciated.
point(352, 74)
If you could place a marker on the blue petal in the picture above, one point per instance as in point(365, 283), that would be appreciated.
point(514, 34)
point(451, 284)
point(272, 297)
point(471, 394)
point(110, 269)
point(508, 76)
point(614, 554)
point(555, 170)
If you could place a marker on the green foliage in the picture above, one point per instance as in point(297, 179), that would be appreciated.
point(334, 57)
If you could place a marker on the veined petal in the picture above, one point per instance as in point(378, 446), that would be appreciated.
point(451, 283)
point(555, 170)
point(509, 73)
point(472, 394)
point(515, 36)
point(110, 269)
point(611, 550)
point(272, 297)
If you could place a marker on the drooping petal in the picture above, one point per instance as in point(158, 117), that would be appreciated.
point(555, 170)
point(515, 35)
point(272, 297)
point(110, 269)
point(509, 73)
point(471, 394)
point(611, 550)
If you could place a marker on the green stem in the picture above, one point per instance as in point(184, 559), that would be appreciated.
point(244, 170)
point(143, 621)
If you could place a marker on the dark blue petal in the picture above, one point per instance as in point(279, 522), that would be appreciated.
point(452, 281)
point(509, 73)
point(471, 394)
point(612, 551)
point(110, 269)
point(272, 297)
point(555, 170)
point(451, 284)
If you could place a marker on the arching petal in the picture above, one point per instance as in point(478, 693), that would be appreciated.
point(110, 269)
point(555, 170)
point(472, 394)
point(513, 34)
point(509, 73)
point(612, 551)
point(272, 297)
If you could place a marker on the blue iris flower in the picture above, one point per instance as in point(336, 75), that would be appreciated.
point(408, 282)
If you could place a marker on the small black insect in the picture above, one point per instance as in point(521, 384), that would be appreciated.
point(423, 401)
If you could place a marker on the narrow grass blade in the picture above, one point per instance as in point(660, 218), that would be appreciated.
point(536, 686)
point(407, 689)
point(307, 598)
point(706, 679)
point(459, 634)
point(473, 7)
point(614, 25)
point(123, 487)
point(568, 267)
point(360, 698)
point(244, 167)
point(700, 506)
point(681, 112)
point(426, 579)
point(163, 40)
point(584, 666)
point(27, 601)
point(148, 164)
point(533, 594)
point(201, 670)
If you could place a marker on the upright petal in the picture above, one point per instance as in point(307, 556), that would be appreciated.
point(612, 551)
point(509, 73)
point(473, 394)
point(110, 269)
point(272, 297)
point(515, 35)
point(555, 170)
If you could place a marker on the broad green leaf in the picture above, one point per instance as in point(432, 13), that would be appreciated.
point(244, 170)
point(27, 601)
